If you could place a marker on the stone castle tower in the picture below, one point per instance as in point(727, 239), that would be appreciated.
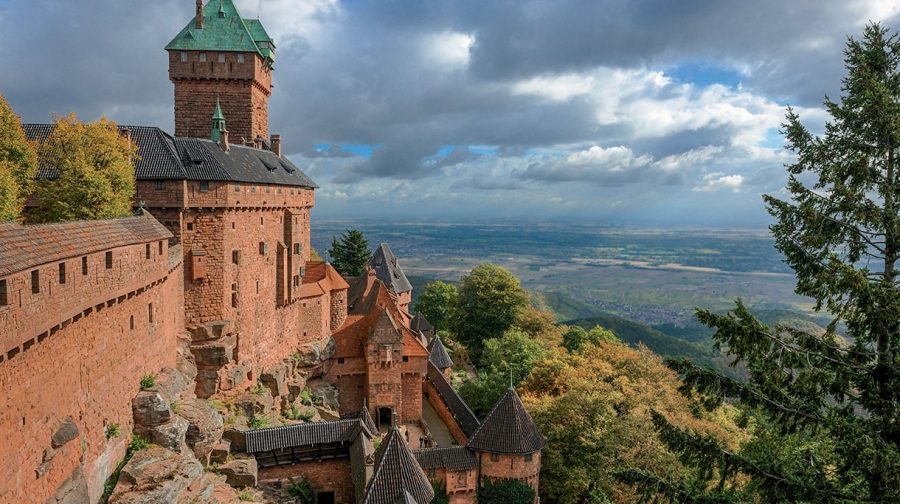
point(221, 56)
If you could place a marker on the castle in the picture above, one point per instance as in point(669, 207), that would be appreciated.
point(212, 289)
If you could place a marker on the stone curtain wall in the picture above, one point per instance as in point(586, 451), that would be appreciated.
point(61, 394)
point(334, 475)
point(443, 411)
point(512, 467)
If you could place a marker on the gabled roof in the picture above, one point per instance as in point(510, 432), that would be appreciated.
point(420, 324)
point(304, 434)
point(437, 354)
point(388, 270)
point(508, 428)
point(397, 472)
point(224, 30)
point(24, 247)
point(453, 458)
point(461, 412)
point(162, 157)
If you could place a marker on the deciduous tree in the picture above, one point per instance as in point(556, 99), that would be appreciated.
point(437, 303)
point(95, 172)
point(490, 299)
point(18, 164)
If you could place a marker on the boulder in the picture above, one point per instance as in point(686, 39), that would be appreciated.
point(158, 475)
point(327, 414)
point(211, 331)
point(313, 354)
point(150, 408)
point(207, 383)
point(237, 441)
point(169, 435)
point(233, 376)
point(251, 404)
point(214, 354)
point(170, 383)
point(205, 426)
point(66, 432)
point(220, 451)
point(275, 379)
point(240, 473)
point(327, 391)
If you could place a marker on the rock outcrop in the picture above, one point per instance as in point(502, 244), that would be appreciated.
point(240, 473)
point(205, 426)
point(158, 475)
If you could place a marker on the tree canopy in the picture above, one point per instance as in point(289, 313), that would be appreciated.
point(437, 303)
point(18, 164)
point(350, 253)
point(95, 172)
point(490, 299)
point(577, 337)
point(825, 406)
point(506, 492)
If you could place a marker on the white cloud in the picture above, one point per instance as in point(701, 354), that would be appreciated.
point(716, 181)
point(290, 20)
point(449, 48)
point(556, 88)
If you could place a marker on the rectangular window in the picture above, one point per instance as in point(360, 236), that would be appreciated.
point(160, 185)
point(84, 265)
point(340, 360)
point(263, 248)
point(237, 187)
point(529, 457)
point(405, 358)
point(240, 58)
point(495, 457)
point(221, 57)
point(296, 249)
point(150, 312)
point(62, 273)
point(234, 300)
point(236, 257)
point(147, 251)
point(253, 188)
point(203, 57)
point(204, 186)
point(109, 260)
point(190, 226)
point(36, 282)
point(4, 294)
point(268, 189)
point(184, 57)
point(160, 247)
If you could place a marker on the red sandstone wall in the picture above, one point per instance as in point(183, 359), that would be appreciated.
point(242, 90)
point(412, 398)
point(443, 411)
point(325, 476)
point(89, 371)
point(512, 467)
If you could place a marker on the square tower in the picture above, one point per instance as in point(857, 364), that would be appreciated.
point(221, 56)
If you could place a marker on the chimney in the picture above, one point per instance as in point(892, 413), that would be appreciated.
point(199, 14)
point(276, 144)
point(223, 140)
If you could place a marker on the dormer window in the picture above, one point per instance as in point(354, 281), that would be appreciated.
point(240, 58)
point(221, 57)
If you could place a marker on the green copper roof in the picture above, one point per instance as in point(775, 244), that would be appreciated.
point(217, 115)
point(224, 30)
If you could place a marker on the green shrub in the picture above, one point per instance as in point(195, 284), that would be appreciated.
point(259, 389)
point(247, 495)
point(113, 430)
point(137, 444)
point(303, 491)
point(295, 413)
point(506, 492)
point(258, 422)
point(148, 381)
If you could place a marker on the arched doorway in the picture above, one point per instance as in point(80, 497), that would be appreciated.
point(385, 418)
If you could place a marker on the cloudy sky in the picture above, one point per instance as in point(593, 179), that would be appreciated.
point(645, 112)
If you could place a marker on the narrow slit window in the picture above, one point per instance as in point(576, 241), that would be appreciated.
point(150, 312)
point(84, 268)
point(62, 273)
point(147, 251)
point(35, 282)
point(184, 57)
point(221, 57)
point(4, 294)
point(109, 260)
point(160, 247)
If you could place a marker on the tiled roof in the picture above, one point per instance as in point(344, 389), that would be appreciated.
point(23, 247)
point(405, 498)
point(460, 410)
point(508, 428)
point(161, 157)
point(453, 458)
point(396, 472)
point(319, 278)
point(363, 416)
point(223, 30)
point(303, 434)
point(437, 354)
point(388, 270)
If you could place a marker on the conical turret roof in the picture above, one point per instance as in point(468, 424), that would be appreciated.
point(398, 476)
point(438, 355)
point(508, 429)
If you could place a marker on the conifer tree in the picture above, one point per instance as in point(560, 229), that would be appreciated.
point(824, 407)
point(18, 164)
point(95, 166)
point(350, 253)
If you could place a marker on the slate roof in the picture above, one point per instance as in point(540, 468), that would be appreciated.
point(396, 472)
point(508, 428)
point(437, 354)
point(452, 458)
point(24, 247)
point(303, 434)
point(420, 324)
point(460, 410)
point(388, 270)
point(224, 30)
point(162, 157)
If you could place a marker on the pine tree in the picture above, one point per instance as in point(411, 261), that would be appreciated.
point(18, 164)
point(95, 166)
point(350, 253)
point(823, 408)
